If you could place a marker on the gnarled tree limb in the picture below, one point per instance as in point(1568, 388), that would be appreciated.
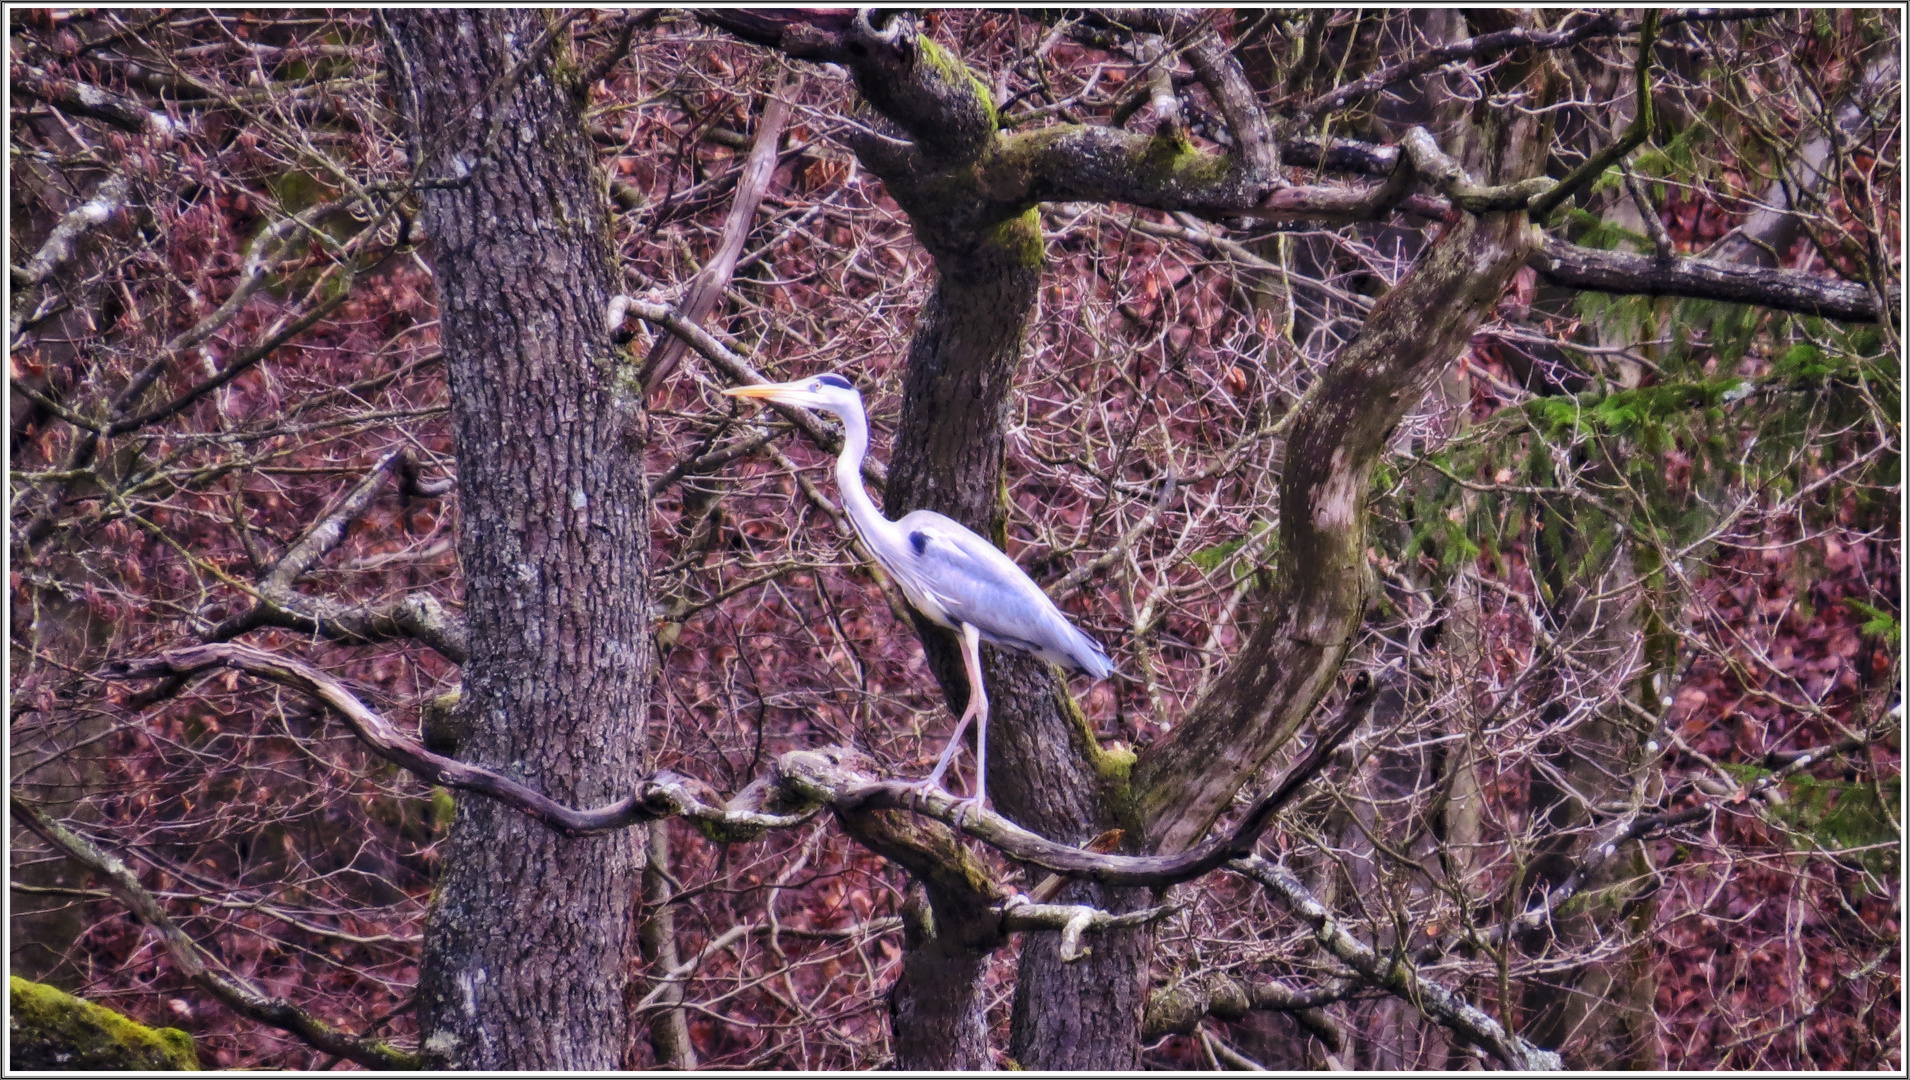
point(1188, 778)
point(805, 781)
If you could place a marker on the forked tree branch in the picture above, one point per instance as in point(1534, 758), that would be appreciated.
point(418, 615)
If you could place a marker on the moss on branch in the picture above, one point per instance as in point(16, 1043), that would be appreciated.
point(956, 73)
point(48, 1028)
point(1020, 238)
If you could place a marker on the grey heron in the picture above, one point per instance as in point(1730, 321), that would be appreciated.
point(949, 574)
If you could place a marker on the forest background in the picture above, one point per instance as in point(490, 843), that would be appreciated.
point(1611, 761)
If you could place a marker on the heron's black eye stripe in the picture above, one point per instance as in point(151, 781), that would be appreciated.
point(834, 380)
point(918, 541)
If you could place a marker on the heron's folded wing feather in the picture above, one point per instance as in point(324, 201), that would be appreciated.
point(976, 582)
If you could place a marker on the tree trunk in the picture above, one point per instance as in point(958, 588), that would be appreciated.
point(948, 457)
point(936, 1011)
point(528, 942)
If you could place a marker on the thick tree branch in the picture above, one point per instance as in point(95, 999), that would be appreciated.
point(823, 778)
point(237, 994)
point(966, 898)
point(417, 616)
point(1178, 1010)
point(804, 782)
point(84, 99)
point(63, 242)
point(1218, 70)
point(1186, 780)
point(1768, 233)
point(1466, 193)
point(1335, 154)
point(951, 122)
point(1626, 274)
point(329, 531)
point(1566, 264)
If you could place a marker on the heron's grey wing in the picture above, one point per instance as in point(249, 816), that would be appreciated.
point(975, 582)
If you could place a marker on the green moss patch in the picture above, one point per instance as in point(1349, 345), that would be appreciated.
point(51, 1029)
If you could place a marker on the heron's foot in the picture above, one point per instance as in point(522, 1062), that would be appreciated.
point(963, 806)
point(922, 789)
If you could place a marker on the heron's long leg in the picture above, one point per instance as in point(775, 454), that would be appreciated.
point(954, 744)
point(978, 704)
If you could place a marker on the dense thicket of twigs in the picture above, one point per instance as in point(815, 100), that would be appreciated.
point(1649, 542)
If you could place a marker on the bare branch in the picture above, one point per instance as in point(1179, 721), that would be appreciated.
point(1484, 46)
point(662, 795)
point(1635, 133)
point(418, 616)
point(1434, 1002)
point(85, 99)
point(237, 994)
point(1073, 920)
point(739, 370)
point(62, 243)
point(1179, 1010)
point(708, 288)
point(1465, 192)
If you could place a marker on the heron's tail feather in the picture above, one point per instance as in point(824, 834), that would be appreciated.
point(1090, 657)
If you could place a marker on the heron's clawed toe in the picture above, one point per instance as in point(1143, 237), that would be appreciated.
point(963, 806)
point(922, 789)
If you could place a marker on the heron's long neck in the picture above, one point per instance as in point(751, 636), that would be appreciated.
point(869, 522)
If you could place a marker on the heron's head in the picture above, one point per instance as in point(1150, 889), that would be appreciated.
point(830, 392)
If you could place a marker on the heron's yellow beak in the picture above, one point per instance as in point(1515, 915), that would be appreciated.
point(766, 390)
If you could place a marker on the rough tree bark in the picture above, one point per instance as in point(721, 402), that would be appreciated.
point(528, 942)
point(948, 457)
